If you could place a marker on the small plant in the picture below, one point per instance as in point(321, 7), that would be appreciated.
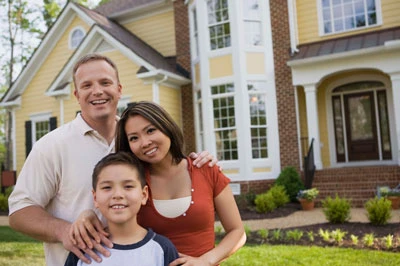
point(279, 195)
point(308, 194)
point(263, 233)
point(265, 203)
point(395, 192)
point(294, 235)
point(290, 179)
point(3, 202)
point(338, 235)
point(388, 241)
point(326, 236)
point(218, 229)
point(310, 235)
point(276, 234)
point(354, 240)
point(336, 210)
point(379, 210)
point(247, 230)
point(368, 239)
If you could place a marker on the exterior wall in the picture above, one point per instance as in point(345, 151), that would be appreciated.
point(255, 63)
point(307, 16)
point(170, 99)
point(157, 30)
point(220, 66)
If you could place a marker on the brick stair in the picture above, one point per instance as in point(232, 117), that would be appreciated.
point(356, 183)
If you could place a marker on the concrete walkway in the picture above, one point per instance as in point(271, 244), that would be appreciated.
point(314, 216)
point(298, 218)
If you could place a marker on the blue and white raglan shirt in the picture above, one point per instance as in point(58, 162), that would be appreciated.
point(152, 250)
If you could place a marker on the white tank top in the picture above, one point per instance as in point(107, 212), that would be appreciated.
point(172, 208)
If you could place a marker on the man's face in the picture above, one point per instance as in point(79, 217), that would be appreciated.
point(97, 90)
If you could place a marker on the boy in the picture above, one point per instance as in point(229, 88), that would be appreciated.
point(119, 190)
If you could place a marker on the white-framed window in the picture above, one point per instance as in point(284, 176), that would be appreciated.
point(122, 104)
point(345, 15)
point(258, 119)
point(252, 23)
point(225, 129)
point(218, 24)
point(40, 125)
point(195, 34)
point(199, 115)
point(76, 36)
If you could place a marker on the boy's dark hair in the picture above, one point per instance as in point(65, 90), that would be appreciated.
point(121, 158)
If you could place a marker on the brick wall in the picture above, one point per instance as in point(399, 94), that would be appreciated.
point(182, 39)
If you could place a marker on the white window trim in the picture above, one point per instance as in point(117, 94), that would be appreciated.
point(39, 117)
point(379, 20)
point(70, 36)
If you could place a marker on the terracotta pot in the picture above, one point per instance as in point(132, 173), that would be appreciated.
point(306, 204)
point(395, 201)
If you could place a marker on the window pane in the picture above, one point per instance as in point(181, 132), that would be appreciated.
point(41, 129)
point(218, 21)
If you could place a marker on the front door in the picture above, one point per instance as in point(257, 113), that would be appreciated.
point(360, 119)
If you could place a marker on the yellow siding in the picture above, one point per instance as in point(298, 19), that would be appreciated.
point(170, 99)
point(158, 31)
point(221, 66)
point(255, 63)
point(307, 18)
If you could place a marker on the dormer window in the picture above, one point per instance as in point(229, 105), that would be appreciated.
point(76, 37)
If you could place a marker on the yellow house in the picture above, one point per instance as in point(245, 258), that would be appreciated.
point(253, 82)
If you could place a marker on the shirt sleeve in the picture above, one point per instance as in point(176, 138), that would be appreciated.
point(72, 260)
point(170, 252)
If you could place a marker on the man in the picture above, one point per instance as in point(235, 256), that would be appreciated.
point(54, 185)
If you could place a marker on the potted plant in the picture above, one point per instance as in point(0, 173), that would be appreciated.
point(394, 196)
point(306, 198)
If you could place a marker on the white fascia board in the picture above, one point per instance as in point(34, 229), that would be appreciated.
point(164, 76)
point(45, 48)
point(11, 104)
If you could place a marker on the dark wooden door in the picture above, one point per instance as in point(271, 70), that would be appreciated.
point(362, 140)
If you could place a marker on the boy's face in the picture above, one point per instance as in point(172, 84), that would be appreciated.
point(119, 194)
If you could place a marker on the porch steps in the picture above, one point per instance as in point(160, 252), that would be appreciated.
point(358, 184)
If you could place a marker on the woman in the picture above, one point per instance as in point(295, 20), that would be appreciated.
point(182, 198)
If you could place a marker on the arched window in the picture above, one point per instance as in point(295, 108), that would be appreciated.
point(76, 37)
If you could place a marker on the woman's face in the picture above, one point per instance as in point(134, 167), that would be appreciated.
point(146, 141)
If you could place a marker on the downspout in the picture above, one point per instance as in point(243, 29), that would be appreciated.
point(156, 91)
point(292, 25)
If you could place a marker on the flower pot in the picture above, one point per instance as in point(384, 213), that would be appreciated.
point(306, 204)
point(395, 201)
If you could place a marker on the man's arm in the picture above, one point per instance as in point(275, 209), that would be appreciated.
point(34, 221)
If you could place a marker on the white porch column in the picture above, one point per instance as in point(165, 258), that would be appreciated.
point(395, 77)
point(312, 122)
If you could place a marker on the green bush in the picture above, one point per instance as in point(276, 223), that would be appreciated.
point(3, 202)
point(279, 195)
point(265, 203)
point(336, 210)
point(290, 179)
point(379, 210)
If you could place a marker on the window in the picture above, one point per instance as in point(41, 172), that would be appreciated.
point(122, 104)
point(252, 22)
point(218, 24)
point(76, 37)
point(38, 126)
point(199, 102)
point(345, 15)
point(195, 35)
point(223, 104)
point(258, 119)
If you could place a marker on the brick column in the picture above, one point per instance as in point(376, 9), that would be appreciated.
point(285, 91)
point(182, 39)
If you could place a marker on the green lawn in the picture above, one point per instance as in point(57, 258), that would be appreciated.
point(17, 249)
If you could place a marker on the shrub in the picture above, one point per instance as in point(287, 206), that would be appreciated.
point(265, 203)
point(336, 210)
point(280, 197)
point(379, 210)
point(290, 179)
point(3, 202)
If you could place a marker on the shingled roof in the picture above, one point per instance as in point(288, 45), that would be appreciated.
point(119, 6)
point(346, 44)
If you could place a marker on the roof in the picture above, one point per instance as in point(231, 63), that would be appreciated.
point(346, 44)
point(120, 6)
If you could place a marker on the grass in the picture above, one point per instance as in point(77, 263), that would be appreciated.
point(17, 249)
